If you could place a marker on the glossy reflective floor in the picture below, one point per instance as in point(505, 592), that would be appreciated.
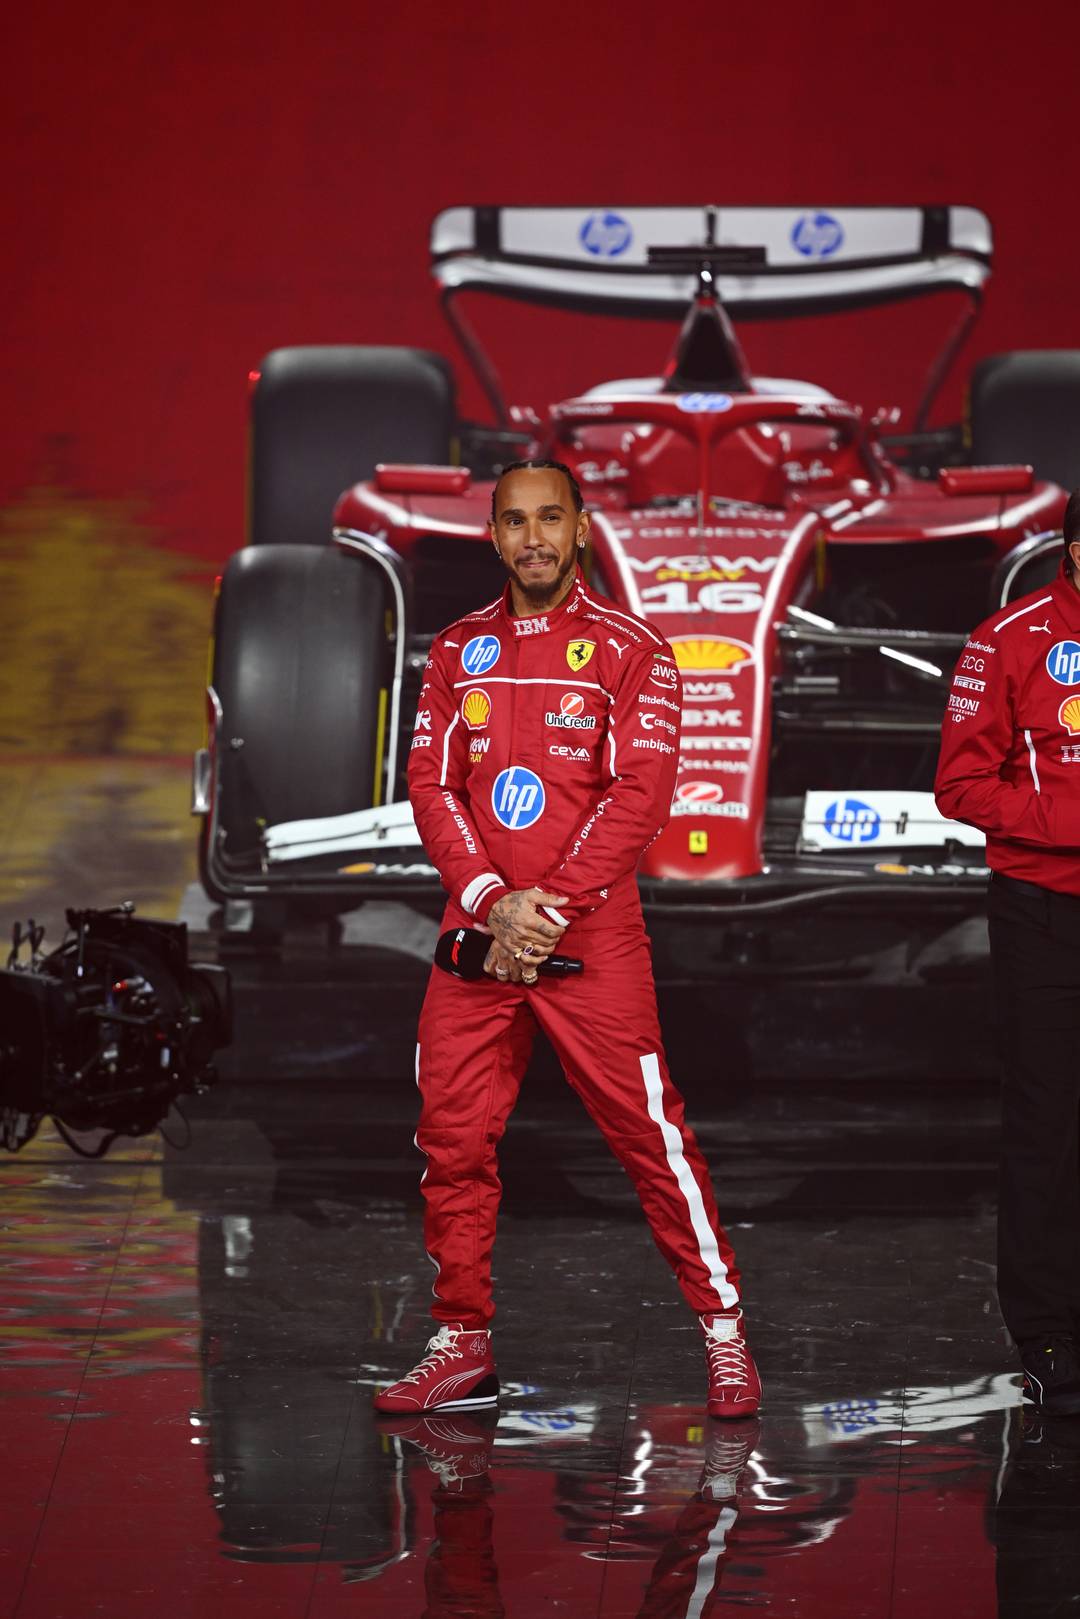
point(191, 1337)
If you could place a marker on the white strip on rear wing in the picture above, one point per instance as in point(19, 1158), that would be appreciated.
point(816, 258)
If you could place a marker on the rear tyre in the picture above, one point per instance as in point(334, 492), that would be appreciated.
point(1025, 407)
point(1034, 564)
point(302, 669)
point(321, 418)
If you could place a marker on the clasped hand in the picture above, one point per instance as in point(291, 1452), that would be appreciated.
point(522, 937)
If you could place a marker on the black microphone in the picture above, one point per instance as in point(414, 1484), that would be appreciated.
point(463, 951)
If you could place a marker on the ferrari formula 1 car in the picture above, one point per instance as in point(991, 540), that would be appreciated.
point(814, 573)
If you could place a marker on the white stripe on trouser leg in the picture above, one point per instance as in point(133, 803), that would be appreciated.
point(688, 1186)
point(716, 1546)
point(423, 1178)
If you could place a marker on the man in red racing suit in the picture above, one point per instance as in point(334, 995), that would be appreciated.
point(1010, 764)
point(543, 762)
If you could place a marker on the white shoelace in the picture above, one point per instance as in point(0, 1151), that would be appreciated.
point(727, 1355)
point(441, 1348)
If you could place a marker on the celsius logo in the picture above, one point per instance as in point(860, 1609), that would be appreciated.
point(849, 820)
point(1063, 663)
point(704, 404)
point(605, 235)
point(817, 236)
point(517, 798)
point(480, 654)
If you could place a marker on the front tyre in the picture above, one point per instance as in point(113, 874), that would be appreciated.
point(302, 670)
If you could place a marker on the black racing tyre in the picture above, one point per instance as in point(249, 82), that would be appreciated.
point(302, 669)
point(321, 418)
point(1025, 407)
point(1034, 564)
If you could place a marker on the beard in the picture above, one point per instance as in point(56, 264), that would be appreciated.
point(543, 595)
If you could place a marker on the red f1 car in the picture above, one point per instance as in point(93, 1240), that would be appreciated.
point(814, 574)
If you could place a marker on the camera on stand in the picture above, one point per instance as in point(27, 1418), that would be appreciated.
point(106, 1031)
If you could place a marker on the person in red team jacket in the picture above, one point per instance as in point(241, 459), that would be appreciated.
point(1010, 764)
point(543, 762)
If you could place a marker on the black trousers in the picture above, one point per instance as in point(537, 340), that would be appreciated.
point(1035, 950)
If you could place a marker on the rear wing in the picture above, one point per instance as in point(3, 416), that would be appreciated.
point(816, 259)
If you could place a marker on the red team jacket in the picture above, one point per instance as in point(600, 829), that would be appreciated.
point(545, 752)
point(1010, 746)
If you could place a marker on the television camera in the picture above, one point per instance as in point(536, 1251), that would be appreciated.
point(106, 1031)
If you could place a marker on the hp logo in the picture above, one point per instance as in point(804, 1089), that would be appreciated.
point(605, 235)
point(517, 798)
point(1063, 663)
point(817, 236)
point(849, 820)
point(480, 654)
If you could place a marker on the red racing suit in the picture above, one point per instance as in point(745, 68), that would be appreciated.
point(545, 753)
point(1010, 745)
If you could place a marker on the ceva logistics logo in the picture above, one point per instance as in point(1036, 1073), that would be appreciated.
point(480, 654)
point(849, 820)
point(605, 235)
point(817, 236)
point(517, 798)
point(1063, 663)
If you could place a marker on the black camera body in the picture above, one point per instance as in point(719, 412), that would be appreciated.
point(106, 1031)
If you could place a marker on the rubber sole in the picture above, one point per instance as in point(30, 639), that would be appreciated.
point(485, 1393)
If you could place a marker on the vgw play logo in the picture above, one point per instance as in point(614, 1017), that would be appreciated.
point(817, 236)
point(605, 235)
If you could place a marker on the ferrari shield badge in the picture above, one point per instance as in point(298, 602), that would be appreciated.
point(578, 653)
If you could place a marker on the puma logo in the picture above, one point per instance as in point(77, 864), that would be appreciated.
point(619, 649)
point(1033, 629)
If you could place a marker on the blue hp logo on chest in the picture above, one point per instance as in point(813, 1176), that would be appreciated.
point(517, 797)
point(1063, 663)
point(480, 654)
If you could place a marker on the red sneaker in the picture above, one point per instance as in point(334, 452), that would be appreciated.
point(727, 1455)
point(734, 1384)
point(457, 1371)
point(456, 1448)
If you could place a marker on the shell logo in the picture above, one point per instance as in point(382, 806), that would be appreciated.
point(572, 704)
point(476, 709)
point(711, 657)
point(1069, 715)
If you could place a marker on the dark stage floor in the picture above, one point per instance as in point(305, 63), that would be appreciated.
point(191, 1339)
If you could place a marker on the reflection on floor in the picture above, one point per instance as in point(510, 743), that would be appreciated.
point(191, 1339)
point(86, 832)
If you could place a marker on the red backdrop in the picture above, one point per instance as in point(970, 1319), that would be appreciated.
point(194, 185)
